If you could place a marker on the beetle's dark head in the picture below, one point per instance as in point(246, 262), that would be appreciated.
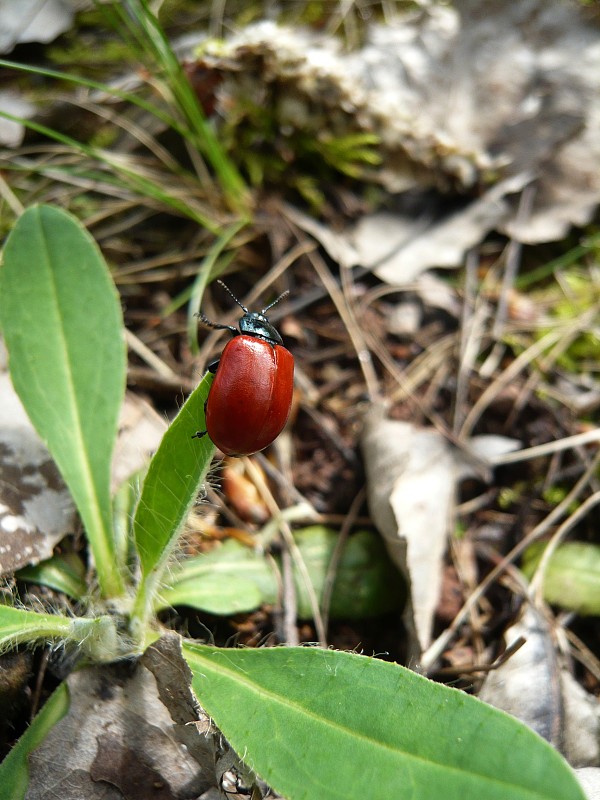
point(255, 323)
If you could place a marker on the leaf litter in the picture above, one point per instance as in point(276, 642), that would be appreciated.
point(462, 135)
point(132, 731)
point(470, 104)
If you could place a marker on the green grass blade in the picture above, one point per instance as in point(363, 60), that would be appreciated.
point(152, 41)
point(205, 273)
point(117, 172)
point(563, 261)
point(112, 91)
point(170, 489)
point(331, 725)
point(63, 329)
point(14, 770)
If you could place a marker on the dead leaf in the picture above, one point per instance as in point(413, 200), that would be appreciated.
point(527, 685)
point(413, 246)
point(412, 476)
point(11, 132)
point(36, 510)
point(582, 723)
point(126, 735)
point(140, 432)
point(470, 103)
point(534, 686)
point(589, 779)
point(33, 21)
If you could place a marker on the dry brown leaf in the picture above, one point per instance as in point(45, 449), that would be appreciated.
point(140, 432)
point(126, 735)
point(32, 21)
point(412, 475)
point(535, 687)
point(36, 510)
point(471, 101)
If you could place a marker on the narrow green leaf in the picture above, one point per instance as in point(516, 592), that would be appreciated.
point(14, 770)
point(229, 579)
point(171, 487)
point(97, 636)
point(233, 578)
point(18, 626)
point(329, 725)
point(223, 593)
point(64, 573)
point(205, 272)
point(117, 173)
point(572, 578)
point(63, 329)
point(140, 23)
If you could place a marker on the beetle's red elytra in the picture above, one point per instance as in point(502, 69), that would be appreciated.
point(250, 398)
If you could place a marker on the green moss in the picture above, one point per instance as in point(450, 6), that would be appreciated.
point(89, 49)
point(577, 294)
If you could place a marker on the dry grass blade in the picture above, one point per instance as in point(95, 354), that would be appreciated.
point(537, 582)
point(520, 363)
point(435, 650)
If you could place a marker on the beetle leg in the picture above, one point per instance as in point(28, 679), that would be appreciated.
point(200, 434)
point(212, 366)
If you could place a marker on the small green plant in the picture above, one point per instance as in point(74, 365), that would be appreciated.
point(355, 726)
point(203, 184)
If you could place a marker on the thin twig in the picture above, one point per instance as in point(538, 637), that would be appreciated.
point(290, 543)
point(513, 370)
point(337, 553)
point(513, 258)
point(346, 314)
point(537, 582)
point(469, 340)
point(567, 443)
point(150, 357)
point(437, 647)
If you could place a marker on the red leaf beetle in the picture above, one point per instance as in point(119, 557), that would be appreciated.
point(250, 398)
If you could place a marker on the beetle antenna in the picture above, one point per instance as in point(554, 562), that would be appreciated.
point(281, 296)
point(231, 294)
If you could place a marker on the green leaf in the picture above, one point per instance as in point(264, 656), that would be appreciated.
point(223, 593)
point(171, 487)
point(229, 579)
point(329, 725)
point(18, 626)
point(366, 583)
point(64, 573)
point(97, 636)
point(63, 329)
point(141, 27)
point(233, 578)
point(572, 578)
point(14, 770)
